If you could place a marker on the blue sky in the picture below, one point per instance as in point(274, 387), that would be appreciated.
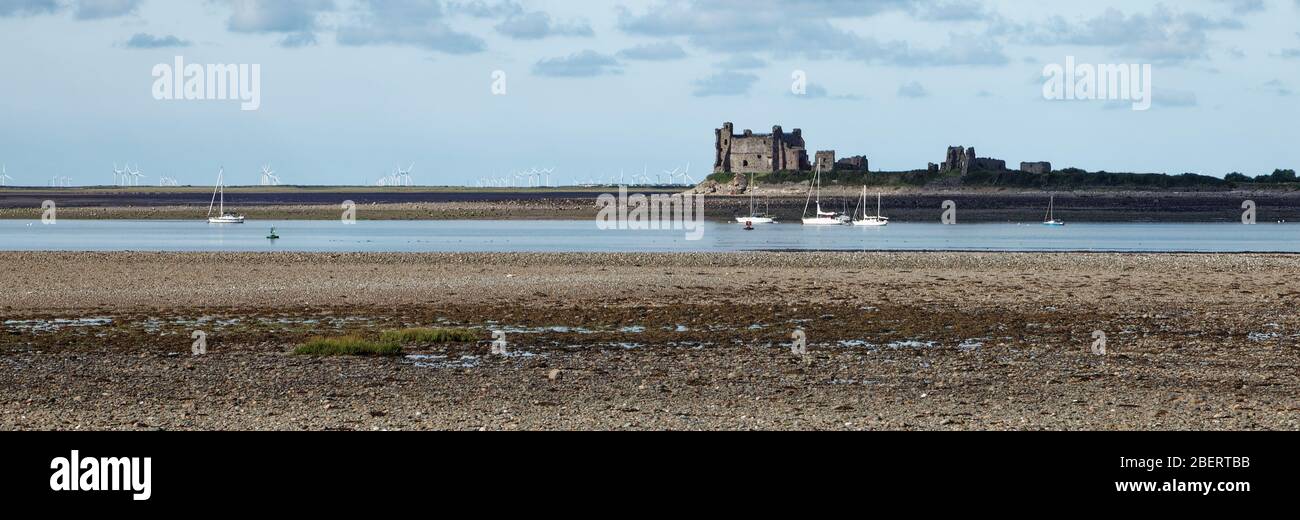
point(352, 88)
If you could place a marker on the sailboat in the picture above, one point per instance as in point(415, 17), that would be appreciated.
point(876, 221)
point(1051, 214)
point(823, 218)
point(220, 191)
point(754, 217)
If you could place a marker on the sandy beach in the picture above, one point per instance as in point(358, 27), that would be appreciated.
point(653, 341)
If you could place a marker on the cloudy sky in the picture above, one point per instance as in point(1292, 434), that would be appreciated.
point(351, 88)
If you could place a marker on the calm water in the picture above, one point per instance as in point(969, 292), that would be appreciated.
point(582, 236)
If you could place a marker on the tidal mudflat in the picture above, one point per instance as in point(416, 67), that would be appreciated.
point(652, 341)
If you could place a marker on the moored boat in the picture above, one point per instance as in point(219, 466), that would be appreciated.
point(822, 218)
point(222, 216)
point(876, 221)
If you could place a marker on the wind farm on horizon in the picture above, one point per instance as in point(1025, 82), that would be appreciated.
point(130, 178)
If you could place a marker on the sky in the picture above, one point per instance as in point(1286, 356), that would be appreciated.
point(350, 89)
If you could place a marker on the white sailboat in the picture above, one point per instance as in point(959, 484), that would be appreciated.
point(876, 221)
point(1051, 220)
point(220, 194)
point(823, 218)
point(754, 217)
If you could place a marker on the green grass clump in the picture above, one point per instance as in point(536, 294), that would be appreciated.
point(348, 346)
point(429, 336)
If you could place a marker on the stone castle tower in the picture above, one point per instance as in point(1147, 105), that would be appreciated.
point(759, 153)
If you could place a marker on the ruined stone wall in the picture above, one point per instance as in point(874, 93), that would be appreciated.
point(722, 148)
point(857, 163)
point(751, 154)
point(795, 154)
point(758, 153)
point(797, 159)
point(964, 160)
point(1036, 167)
point(987, 164)
point(825, 160)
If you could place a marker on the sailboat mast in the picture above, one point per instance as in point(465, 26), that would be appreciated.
point(817, 178)
point(812, 188)
point(862, 204)
point(751, 194)
point(819, 190)
point(214, 195)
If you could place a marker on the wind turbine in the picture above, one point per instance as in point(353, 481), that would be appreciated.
point(119, 176)
point(403, 177)
point(4, 175)
point(135, 173)
point(672, 174)
point(268, 176)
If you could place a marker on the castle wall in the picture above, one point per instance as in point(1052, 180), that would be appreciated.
point(825, 160)
point(1036, 167)
point(797, 159)
point(857, 163)
point(751, 154)
point(964, 160)
point(758, 153)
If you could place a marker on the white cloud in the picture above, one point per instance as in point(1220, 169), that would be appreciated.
point(98, 9)
point(913, 90)
point(417, 23)
point(662, 51)
point(149, 41)
point(537, 25)
point(1161, 36)
point(297, 20)
point(587, 63)
point(725, 84)
point(804, 28)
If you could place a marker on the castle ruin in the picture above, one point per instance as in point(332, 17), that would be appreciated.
point(768, 153)
point(825, 160)
point(778, 151)
point(1036, 167)
point(759, 153)
point(964, 160)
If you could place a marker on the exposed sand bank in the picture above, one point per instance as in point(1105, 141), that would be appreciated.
point(897, 341)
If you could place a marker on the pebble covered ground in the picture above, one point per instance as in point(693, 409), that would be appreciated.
point(653, 341)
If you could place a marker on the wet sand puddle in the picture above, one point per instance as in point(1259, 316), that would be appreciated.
point(55, 324)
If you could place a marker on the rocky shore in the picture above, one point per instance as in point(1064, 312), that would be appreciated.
point(653, 341)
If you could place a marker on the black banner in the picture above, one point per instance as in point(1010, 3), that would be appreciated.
point(322, 470)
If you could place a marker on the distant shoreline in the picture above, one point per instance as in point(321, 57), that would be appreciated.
point(786, 201)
